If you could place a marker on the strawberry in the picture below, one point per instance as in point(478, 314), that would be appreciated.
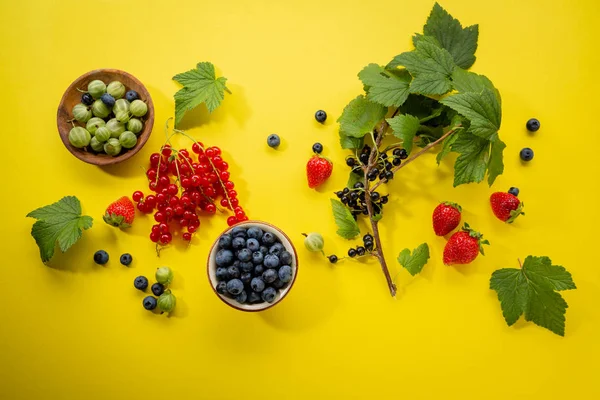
point(463, 246)
point(446, 217)
point(120, 213)
point(318, 169)
point(506, 206)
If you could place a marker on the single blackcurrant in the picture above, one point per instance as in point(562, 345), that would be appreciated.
point(333, 258)
point(352, 253)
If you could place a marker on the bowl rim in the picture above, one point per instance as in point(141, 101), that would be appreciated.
point(104, 161)
point(252, 222)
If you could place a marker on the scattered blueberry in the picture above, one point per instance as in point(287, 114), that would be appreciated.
point(258, 270)
point(238, 231)
point(224, 257)
point(252, 245)
point(255, 233)
point(285, 257)
point(533, 125)
point(244, 255)
point(238, 243)
point(233, 272)
point(247, 266)
point(271, 261)
point(235, 287)
point(101, 257)
point(131, 95)
point(242, 297)
point(108, 100)
point(321, 116)
point(257, 284)
point(254, 297)
point(222, 287)
point(257, 257)
point(269, 294)
point(140, 283)
point(126, 259)
point(269, 275)
point(285, 273)
point(526, 154)
point(149, 303)
point(222, 274)
point(157, 289)
point(246, 278)
point(514, 191)
point(268, 238)
point(273, 141)
point(225, 241)
point(87, 99)
point(317, 148)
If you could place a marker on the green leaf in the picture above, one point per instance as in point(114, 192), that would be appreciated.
point(405, 127)
point(347, 226)
point(531, 290)
point(200, 85)
point(360, 117)
point(471, 164)
point(495, 165)
point(465, 81)
point(482, 109)
point(378, 217)
point(349, 142)
point(448, 142)
point(59, 222)
point(414, 262)
point(461, 43)
point(384, 87)
point(354, 178)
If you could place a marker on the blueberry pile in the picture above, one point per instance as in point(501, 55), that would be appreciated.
point(252, 265)
point(164, 300)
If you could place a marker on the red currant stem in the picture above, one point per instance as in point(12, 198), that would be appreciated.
point(160, 158)
point(520, 264)
point(178, 174)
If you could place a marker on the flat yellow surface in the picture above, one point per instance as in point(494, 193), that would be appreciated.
point(75, 330)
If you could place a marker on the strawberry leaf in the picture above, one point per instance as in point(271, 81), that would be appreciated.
point(347, 225)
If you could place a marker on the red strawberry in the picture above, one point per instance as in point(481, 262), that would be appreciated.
point(318, 170)
point(506, 206)
point(446, 218)
point(120, 213)
point(463, 246)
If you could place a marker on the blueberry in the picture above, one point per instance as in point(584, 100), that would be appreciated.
point(255, 233)
point(108, 100)
point(246, 278)
point(258, 270)
point(257, 257)
point(533, 125)
point(87, 99)
point(269, 294)
point(140, 283)
point(242, 297)
point(257, 284)
point(254, 298)
point(222, 287)
point(268, 238)
point(237, 263)
point(235, 287)
point(247, 266)
point(225, 241)
point(317, 148)
point(278, 284)
point(285, 273)
point(285, 257)
point(269, 275)
point(233, 272)
point(526, 154)
point(157, 289)
point(224, 258)
point(238, 243)
point(149, 303)
point(222, 274)
point(101, 257)
point(238, 231)
point(126, 259)
point(273, 140)
point(514, 191)
point(276, 249)
point(271, 261)
point(131, 95)
point(244, 255)
point(321, 116)
point(252, 244)
point(264, 250)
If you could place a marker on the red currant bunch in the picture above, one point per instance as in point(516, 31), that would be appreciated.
point(184, 185)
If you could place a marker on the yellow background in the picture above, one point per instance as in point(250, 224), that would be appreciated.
point(75, 330)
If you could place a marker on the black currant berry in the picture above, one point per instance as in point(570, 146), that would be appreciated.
point(352, 253)
point(360, 250)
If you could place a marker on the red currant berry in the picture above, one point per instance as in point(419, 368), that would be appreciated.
point(184, 153)
point(224, 166)
point(210, 152)
point(216, 150)
point(161, 206)
point(156, 228)
point(232, 193)
point(231, 221)
point(137, 196)
point(153, 186)
point(172, 189)
point(184, 169)
point(195, 180)
point(196, 148)
point(211, 208)
point(151, 201)
point(224, 203)
point(159, 217)
point(196, 196)
point(237, 209)
point(142, 207)
point(239, 215)
point(179, 210)
point(245, 218)
point(151, 174)
point(185, 200)
point(161, 197)
point(212, 177)
point(192, 228)
point(204, 181)
point(165, 238)
point(163, 168)
point(163, 181)
point(163, 227)
point(154, 159)
point(217, 160)
point(224, 176)
point(164, 191)
point(183, 222)
point(186, 182)
point(169, 212)
point(166, 150)
point(202, 159)
point(174, 201)
point(229, 185)
point(187, 236)
point(210, 192)
point(235, 202)
point(154, 236)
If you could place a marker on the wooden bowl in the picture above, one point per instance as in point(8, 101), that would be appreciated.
point(72, 96)
point(211, 266)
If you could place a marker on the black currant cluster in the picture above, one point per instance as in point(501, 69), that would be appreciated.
point(384, 166)
point(355, 200)
point(357, 251)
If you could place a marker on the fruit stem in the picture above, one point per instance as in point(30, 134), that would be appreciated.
point(520, 264)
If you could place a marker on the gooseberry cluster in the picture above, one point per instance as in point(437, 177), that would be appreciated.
point(185, 185)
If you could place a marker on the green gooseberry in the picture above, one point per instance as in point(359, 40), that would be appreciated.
point(115, 128)
point(100, 110)
point(93, 124)
point(116, 89)
point(122, 116)
point(96, 88)
point(128, 139)
point(121, 105)
point(96, 145)
point(135, 125)
point(112, 147)
point(79, 137)
point(102, 134)
point(164, 275)
point(167, 302)
point(81, 112)
point(138, 108)
point(314, 242)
